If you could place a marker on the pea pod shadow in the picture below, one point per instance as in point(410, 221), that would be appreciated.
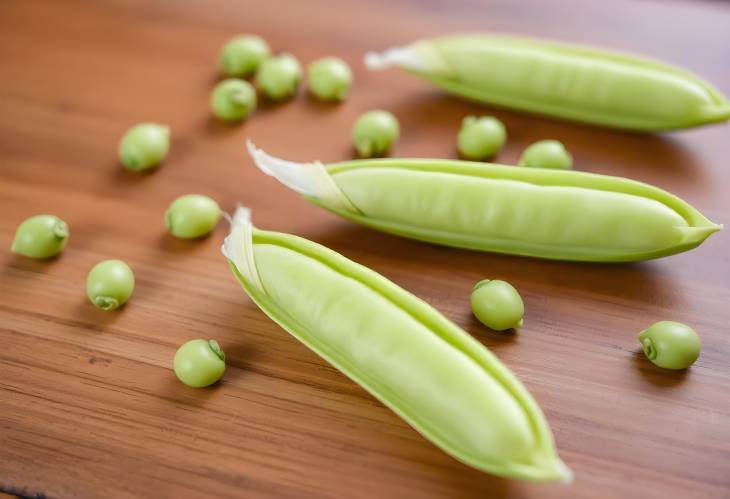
point(456, 270)
point(660, 159)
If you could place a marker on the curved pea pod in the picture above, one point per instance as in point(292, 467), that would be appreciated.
point(566, 81)
point(434, 375)
point(555, 214)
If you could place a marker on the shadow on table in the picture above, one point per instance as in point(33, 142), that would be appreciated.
point(603, 150)
point(655, 375)
point(630, 281)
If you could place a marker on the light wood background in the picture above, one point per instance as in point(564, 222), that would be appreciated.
point(89, 405)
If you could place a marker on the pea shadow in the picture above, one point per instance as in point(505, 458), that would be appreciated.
point(34, 265)
point(489, 337)
point(655, 375)
point(633, 282)
point(214, 126)
point(429, 114)
point(319, 106)
point(176, 245)
point(179, 393)
point(94, 318)
point(267, 104)
point(122, 176)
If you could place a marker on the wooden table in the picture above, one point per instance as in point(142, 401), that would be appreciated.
point(89, 405)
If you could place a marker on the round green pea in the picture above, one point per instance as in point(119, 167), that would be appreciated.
point(192, 215)
point(374, 133)
point(547, 154)
point(233, 100)
point(497, 305)
point(330, 78)
point(110, 284)
point(40, 236)
point(199, 363)
point(279, 76)
point(671, 345)
point(242, 55)
point(481, 138)
point(144, 146)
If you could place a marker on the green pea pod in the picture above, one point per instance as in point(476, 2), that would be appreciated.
point(566, 81)
point(538, 212)
point(426, 369)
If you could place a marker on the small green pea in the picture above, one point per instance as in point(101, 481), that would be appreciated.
point(330, 78)
point(192, 215)
point(144, 146)
point(547, 154)
point(199, 363)
point(497, 305)
point(374, 133)
point(233, 100)
point(110, 284)
point(671, 345)
point(279, 76)
point(243, 54)
point(481, 138)
point(40, 236)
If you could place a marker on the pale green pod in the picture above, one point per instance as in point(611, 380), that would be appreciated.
point(538, 212)
point(430, 372)
point(562, 80)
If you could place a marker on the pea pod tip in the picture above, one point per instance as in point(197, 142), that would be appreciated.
point(404, 57)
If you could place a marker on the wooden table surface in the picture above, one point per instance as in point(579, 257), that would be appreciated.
point(89, 405)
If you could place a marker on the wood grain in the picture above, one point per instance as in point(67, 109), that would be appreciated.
point(89, 406)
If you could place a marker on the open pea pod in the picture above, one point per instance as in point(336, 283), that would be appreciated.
point(538, 212)
point(562, 80)
point(430, 372)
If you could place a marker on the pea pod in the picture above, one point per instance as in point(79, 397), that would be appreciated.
point(430, 372)
point(538, 212)
point(561, 80)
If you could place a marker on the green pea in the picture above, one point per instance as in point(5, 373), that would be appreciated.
point(374, 133)
point(497, 305)
point(671, 345)
point(110, 284)
point(481, 138)
point(242, 55)
point(547, 154)
point(192, 215)
point(233, 100)
point(330, 78)
point(144, 146)
point(199, 363)
point(40, 236)
point(279, 76)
